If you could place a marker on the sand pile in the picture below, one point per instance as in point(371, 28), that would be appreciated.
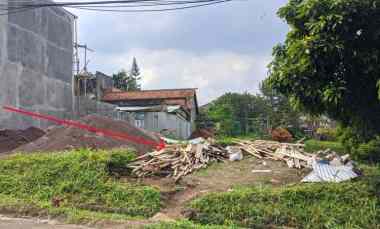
point(11, 139)
point(65, 138)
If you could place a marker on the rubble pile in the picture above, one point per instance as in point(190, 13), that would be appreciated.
point(178, 160)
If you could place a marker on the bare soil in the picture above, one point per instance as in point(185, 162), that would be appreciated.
point(60, 138)
point(221, 177)
point(11, 139)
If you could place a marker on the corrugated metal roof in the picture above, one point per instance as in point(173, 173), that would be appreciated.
point(327, 173)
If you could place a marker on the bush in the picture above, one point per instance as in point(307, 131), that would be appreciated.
point(344, 205)
point(368, 151)
point(119, 159)
point(359, 149)
point(327, 134)
point(76, 180)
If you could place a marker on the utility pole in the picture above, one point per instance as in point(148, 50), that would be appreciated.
point(86, 48)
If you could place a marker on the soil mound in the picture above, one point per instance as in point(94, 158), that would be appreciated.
point(60, 138)
point(11, 139)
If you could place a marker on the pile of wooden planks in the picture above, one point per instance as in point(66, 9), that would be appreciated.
point(178, 160)
point(293, 154)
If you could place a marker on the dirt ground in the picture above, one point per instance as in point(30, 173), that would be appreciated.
point(11, 139)
point(221, 177)
point(60, 138)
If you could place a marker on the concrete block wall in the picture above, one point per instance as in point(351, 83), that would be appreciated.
point(36, 52)
point(36, 62)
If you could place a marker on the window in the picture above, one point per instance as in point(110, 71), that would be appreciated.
point(139, 119)
point(155, 121)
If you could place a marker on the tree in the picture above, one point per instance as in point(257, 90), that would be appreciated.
point(134, 79)
point(279, 111)
point(330, 61)
point(238, 114)
point(128, 81)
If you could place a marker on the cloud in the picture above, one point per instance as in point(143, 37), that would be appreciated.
point(213, 74)
point(216, 49)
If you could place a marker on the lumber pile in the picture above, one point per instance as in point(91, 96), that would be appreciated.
point(293, 154)
point(178, 160)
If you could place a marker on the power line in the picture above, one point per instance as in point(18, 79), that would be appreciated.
point(111, 6)
point(155, 10)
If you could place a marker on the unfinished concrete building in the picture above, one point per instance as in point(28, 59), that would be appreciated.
point(36, 51)
point(36, 67)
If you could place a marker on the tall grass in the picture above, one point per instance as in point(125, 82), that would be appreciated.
point(75, 180)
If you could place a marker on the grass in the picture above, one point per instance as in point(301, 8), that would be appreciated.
point(315, 145)
point(354, 204)
point(79, 180)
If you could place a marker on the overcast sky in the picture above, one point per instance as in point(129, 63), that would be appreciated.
point(216, 49)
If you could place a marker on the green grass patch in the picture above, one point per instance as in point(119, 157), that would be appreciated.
point(354, 204)
point(315, 145)
point(79, 180)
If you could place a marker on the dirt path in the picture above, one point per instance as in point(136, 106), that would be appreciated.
point(221, 177)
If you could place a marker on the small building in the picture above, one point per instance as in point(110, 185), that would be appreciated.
point(171, 112)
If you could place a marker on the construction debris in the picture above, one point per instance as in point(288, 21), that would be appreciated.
point(292, 154)
point(329, 173)
point(327, 165)
point(262, 171)
point(235, 153)
point(178, 160)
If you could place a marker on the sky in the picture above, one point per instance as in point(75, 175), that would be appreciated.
point(217, 49)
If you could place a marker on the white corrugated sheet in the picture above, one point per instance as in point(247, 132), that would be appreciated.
point(327, 173)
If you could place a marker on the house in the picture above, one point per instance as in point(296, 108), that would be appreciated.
point(92, 85)
point(171, 112)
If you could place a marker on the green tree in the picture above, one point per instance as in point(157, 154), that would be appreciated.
point(238, 114)
point(128, 81)
point(134, 77)
point(279, 111)
point(330, 61)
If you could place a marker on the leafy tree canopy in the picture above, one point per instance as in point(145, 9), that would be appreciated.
point(128, 81)
point(330, 61)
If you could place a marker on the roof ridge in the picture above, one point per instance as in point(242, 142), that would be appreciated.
point(178, 89)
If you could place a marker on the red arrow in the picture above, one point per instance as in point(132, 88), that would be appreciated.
point(98, 131)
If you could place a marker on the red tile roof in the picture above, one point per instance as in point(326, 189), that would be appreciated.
point(150, 94)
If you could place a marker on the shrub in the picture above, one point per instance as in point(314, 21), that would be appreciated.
point(369, 151)
point(327, 134)
point(118, 161)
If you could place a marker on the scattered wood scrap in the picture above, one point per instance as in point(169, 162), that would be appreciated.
point(293, 154)
point(178, 160)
